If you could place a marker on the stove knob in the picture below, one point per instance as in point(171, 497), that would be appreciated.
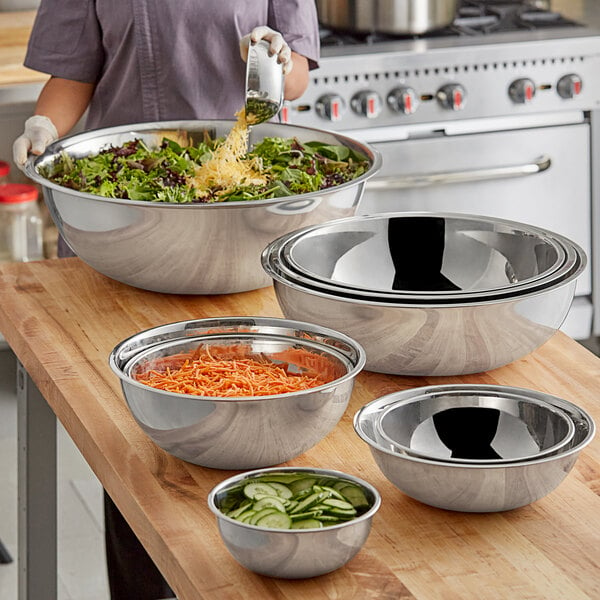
point(451, 96)
point(366, 103)
point(521, 91)
point(330, 107)
point(569, 86)
point(403, 100)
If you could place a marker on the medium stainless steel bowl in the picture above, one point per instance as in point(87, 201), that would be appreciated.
point(425, 255)
point(239, 432)
point(435, 338)
point(473, 427)
point(187, 248)
point(475, 487)
point(293, 553)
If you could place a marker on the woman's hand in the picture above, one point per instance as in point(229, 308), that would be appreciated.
point(39, 132)
point(277, 46)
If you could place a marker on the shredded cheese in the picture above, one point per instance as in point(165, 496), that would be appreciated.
point(228, 168)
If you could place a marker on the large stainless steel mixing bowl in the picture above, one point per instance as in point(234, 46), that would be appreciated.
point(425, 255)
point(239, 432)
point(294, 553)
point(435, 338)
point(193, 248)
point(472, 487)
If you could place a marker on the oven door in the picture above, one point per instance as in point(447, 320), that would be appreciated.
point(539, 176)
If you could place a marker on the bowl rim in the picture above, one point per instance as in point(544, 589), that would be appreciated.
point(351, 374)
point(571, 408)
point(288, 242)
point(51, 152)
point(411, 399)
point(230, 481)
point(270, 264)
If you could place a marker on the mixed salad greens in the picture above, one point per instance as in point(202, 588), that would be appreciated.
point(165, 174)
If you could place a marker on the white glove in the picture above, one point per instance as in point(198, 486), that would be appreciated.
point(39, 132)
point(277, 46)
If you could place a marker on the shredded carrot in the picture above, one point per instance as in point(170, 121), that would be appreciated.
point(230, 371)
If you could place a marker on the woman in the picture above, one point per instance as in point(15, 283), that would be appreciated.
point(132, 61)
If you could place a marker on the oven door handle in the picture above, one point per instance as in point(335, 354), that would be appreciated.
point(539, 165)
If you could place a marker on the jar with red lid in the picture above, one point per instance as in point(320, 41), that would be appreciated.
point(4, 172)
point(21, 224)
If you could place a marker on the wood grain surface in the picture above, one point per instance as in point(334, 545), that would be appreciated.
point(15, 27)
point(62, 319)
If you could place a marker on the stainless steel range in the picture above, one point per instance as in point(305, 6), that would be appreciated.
point(497, 114)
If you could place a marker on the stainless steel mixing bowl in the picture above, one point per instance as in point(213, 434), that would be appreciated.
point(240, 432)
point(187, 248)
point(474, 427)
point(293, 553)
point(475, 487)
point(424, 255)
point(435, 338)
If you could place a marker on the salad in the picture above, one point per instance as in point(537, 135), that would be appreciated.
point(279, 166)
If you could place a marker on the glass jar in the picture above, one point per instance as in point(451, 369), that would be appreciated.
point(21, 223)
point(4, 172)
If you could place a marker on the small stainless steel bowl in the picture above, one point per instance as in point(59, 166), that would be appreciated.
point(475, 487)
point(239, 432)
point(293, 553)
point(187, 248)
point(474, 427)
point(424, 255)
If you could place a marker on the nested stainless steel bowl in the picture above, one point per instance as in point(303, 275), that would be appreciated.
point(187, 248)
point(473, 427)
point(239, 432)
point(424, 256)
point(293, 553)
point(438, 334)
point(475, 487)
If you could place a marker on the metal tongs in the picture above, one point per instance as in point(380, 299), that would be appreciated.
point(264, 84)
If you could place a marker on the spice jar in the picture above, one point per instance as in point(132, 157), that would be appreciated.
point(20, 223)
point(4, 172)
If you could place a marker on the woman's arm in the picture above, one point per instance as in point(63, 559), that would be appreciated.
point(64, 101)
point(296, 81)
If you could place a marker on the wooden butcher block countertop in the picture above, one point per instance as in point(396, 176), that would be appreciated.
point(62, 319)
point(15, 28)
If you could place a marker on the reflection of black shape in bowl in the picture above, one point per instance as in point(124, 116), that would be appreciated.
point(468, 432)
point(425, 273)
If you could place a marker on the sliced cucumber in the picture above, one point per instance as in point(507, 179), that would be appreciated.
point(305, 483)
point(282, 490)
point(294, 500)
point(341, 504)
point(275, 520)
point(307, 524)
point(269, 502)
point(355, 496)
point(308, 502)
point(262, 513)
point(251, 489)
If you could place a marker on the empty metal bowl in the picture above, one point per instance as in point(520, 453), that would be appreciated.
point(435, 337)
point(293, 553)
point(480, 426)
point(240, 432)
point(199, 248)
point(475, 487)
point(424, 255)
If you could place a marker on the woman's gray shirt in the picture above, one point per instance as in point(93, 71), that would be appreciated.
point(156, 60)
